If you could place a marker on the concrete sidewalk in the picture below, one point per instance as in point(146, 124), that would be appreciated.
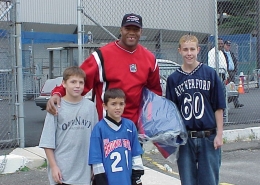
point(34, 157)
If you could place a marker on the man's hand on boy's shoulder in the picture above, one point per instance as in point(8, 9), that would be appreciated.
point(50, 107)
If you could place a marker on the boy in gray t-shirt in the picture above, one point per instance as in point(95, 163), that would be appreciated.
point(65, 137)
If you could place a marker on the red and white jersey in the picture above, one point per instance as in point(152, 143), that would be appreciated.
point(119, 68)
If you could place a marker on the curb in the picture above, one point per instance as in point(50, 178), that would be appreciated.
point(246, 134)
point(11, 163)
point(32, 157)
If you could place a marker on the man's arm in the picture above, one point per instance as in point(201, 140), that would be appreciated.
point(235, 61)
point(89, 66)
point(59, 90)
point(153, 82)
point(211, 58)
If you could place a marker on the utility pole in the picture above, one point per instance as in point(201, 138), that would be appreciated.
point(258, 35)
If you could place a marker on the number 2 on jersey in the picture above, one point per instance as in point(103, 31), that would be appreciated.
point(116, 156)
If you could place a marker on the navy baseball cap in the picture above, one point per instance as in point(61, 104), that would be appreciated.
point(132, 20)
point(227, 42)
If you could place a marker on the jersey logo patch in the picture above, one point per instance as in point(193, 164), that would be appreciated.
point(110, 146)
point(128, 130)
point(133, 68)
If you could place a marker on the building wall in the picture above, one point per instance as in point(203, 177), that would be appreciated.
point(185, 15)
point(49, 11)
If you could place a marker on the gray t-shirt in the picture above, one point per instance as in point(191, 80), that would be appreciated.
point(69, 135)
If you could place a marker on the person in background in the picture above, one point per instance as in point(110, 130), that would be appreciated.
point(222, 60)
point(232, 70)
point(121, 64)
point(66, 136)
point(197, 91)
point(115, 152)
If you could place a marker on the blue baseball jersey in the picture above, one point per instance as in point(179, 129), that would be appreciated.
point(115, 149)
point(197, 95)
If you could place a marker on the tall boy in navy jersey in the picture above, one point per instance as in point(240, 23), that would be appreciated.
point(198, 93)
point(115, 152)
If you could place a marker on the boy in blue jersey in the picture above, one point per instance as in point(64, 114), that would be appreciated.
point(198, 93)
point(115, 152)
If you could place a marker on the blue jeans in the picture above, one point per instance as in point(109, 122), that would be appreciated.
point(199, 162)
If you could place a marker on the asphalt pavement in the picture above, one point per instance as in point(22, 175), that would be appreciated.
point(249, 113)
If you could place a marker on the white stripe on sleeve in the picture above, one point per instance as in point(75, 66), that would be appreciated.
point(98, 168)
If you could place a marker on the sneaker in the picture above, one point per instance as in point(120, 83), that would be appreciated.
point(239, 105)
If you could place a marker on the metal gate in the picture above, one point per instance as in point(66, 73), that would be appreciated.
point(8, 121)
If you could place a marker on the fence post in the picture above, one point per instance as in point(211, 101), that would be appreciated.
point(18, 32)
point(80, 53)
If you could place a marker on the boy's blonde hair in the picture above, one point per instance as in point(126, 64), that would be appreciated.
point(73, 71)
point(188, 37)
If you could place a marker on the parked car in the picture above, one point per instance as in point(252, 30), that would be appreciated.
point(166, 68)
point(45, 93)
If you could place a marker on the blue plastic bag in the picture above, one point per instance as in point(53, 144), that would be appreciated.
point(160, 122)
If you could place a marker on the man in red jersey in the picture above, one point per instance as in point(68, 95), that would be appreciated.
point(121, 64)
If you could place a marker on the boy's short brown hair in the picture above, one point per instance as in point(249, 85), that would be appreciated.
point(188, 37)
point(73, 71)
point(113, 93)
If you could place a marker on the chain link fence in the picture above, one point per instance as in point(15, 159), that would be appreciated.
point(165, 22)
point(8, 121)
point(238, 26)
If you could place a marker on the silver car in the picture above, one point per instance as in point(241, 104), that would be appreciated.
point(45, 94)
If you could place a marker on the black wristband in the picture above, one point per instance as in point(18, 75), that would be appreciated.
point(100, 179)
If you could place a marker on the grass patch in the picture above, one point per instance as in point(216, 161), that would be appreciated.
point(238, 138)
point(224, 140)
point(24, 169)
point(44, 165)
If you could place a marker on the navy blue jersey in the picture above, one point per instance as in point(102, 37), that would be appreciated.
point(197, 95)
point(115, 149)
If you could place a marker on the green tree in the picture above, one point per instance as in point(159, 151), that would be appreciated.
point(242, 16)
